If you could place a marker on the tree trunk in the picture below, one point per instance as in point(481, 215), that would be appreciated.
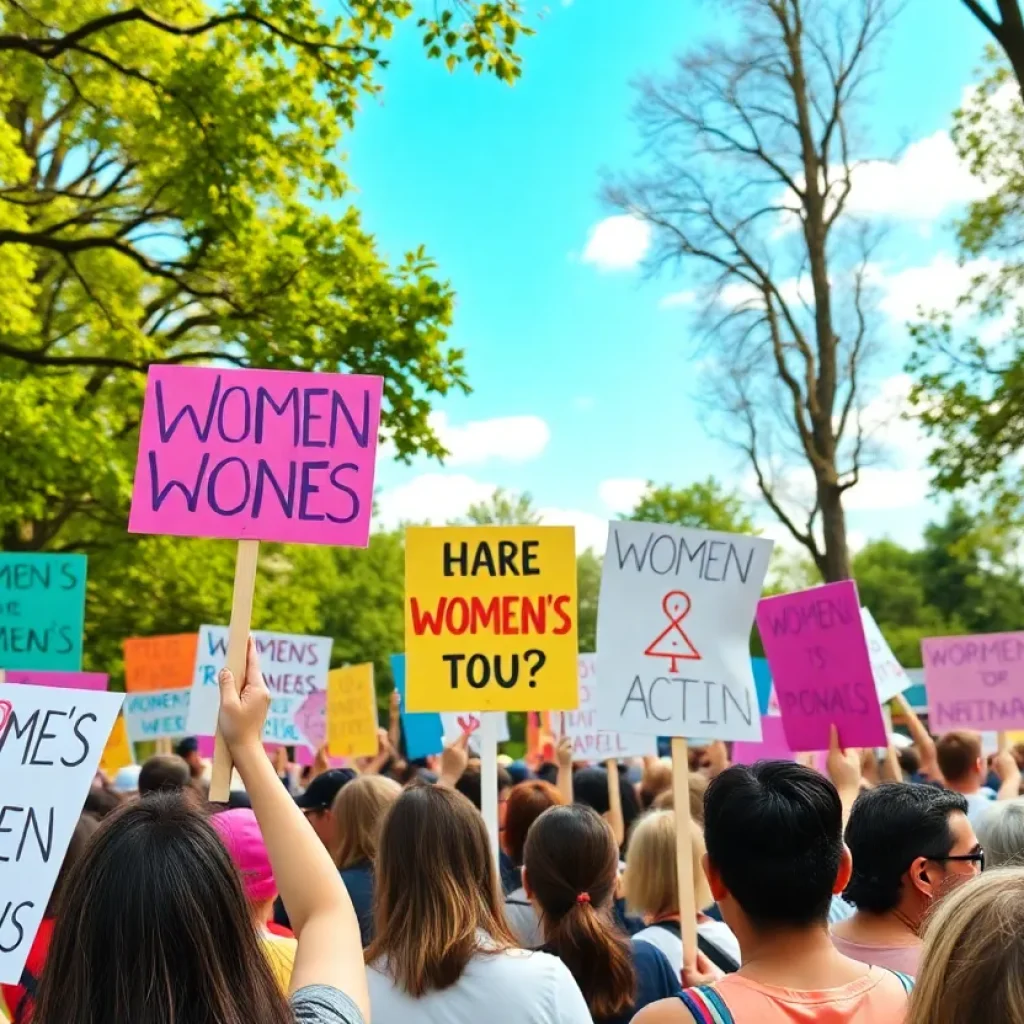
point(833, 522)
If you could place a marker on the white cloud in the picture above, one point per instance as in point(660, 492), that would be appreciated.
point(617, 243)
point(936, 285)
point(621, 494)
point(591, 530)
point(511, 438)
point(683, 298)
point(431, 497)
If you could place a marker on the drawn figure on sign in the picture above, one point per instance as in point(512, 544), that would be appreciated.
point(5, 712)
point(468, 723)
point(673, 643)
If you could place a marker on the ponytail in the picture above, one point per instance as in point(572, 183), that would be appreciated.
point(598, 956)
point(571, 866)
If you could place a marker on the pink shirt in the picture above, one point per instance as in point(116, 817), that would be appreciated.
point(877, 998)
point(904, 959)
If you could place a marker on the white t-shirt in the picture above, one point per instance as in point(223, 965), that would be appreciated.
point(513, 987)
point(671, 944)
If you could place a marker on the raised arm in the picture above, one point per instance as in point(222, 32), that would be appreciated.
point(922, 740)
point(565, 768)
point(319, 908)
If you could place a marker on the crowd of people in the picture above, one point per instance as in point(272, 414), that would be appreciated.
point(851, 896)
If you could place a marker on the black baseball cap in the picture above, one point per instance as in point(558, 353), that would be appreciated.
point(320, 793)
point(189, 745)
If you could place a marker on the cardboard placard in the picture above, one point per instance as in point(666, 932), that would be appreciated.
point(118, 753)
point(257, 454)
point(352, 711)
point(589, 741)
point(423, 732)
point(51, 741)
point(293, 666)
point(974, 682)
point(456, 723)
point(673, 631)
point(42, 611)
point(490, 618)
point(159, 662)
point(890, 676)
point(815, 643)
point(58, 680)
point(772, 746)
point(157, 714)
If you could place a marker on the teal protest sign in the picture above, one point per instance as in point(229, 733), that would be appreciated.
point(42, 611)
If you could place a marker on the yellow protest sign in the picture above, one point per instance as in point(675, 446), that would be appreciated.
point(351, 712)
point(118, 753)
point(490, 618)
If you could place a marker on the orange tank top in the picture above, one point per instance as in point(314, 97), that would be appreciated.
point(880, 997)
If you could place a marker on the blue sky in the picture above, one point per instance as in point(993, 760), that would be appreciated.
point(583, 376)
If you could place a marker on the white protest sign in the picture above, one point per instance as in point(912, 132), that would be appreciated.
point(673, 631)
point(293, 666)
point(590, 743)
point(51, 741)
point(156, 714)
point(455, 723)
point(890, 676)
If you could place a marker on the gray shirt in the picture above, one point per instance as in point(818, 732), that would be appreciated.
point(321, 1004)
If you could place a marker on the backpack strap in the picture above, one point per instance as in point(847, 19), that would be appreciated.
point(706, 1005)
point(722, 960)
point(905, 980)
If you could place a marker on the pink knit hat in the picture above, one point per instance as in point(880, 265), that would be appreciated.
point(240, 833)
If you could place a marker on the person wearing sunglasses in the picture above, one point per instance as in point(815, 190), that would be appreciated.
point(911, 845)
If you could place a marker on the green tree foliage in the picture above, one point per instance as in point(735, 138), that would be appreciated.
point(705, 505)
point(588, 587)
point(505, 508)
point(968, 364)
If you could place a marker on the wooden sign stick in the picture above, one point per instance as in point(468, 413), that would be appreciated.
point(684, 850)
point(488, 734)
point(238, 639)
point(1000, 737)
point(615, 801)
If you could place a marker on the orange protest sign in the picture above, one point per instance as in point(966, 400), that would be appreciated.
point(159, 662)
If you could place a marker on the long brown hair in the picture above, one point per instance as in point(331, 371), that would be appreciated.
point(153, 928)
point(358, 811)
point(571, 865)
point(435, 890)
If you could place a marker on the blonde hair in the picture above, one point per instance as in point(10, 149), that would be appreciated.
point(973, 963)
point(359, 809)
point(665, 801)
point(650, 876)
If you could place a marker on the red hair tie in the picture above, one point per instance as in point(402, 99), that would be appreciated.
point(584, 897)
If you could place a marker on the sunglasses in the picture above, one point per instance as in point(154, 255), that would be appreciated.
point(975, 857)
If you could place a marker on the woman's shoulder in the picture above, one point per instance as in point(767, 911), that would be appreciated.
point(321, 1004)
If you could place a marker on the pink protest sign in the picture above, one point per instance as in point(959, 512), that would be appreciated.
point(311, 718)
point(60, 680)
point(815, 645)
point(257, 454)
point(974, 682)
point(773, 745)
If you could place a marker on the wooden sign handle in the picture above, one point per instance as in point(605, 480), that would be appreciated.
point(684, 850)
point(238, 638)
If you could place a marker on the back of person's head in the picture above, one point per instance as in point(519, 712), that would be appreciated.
point(959, 756)
point(101, 801)
point(436, 890)
point(548, 772)
point(154, 929)
point(570, 868)
point(890, 827)
point(359, 810)
point(774, 835)
point(973, 962)
point(85, 828)
point(240, 833)
point(590, 788)
point(657, 779)
point(650, 880)
point(698, 787)
point(910, 761)
point(526, 803)
point(164, 772)
point(1001, 834)
point(469, 783)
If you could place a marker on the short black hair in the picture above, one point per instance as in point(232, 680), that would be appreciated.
point(164, 773)
point(590, 787)
point(774, 832)
point(469, 784)
point(891, 826)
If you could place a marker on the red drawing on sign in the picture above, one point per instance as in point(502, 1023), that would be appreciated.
point(468, 723)
point(5, 712)
point(672, 642)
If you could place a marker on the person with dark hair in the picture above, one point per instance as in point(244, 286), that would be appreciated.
point(468, 784)
point(570, 870)
point(188, 750)
point(101, 801)
point(154, 927)
point(164, 773)
point(21, 998)
point(526, 803)
point(910, 845)
point(775, 857)
point(590, 787)
point(442, 950)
